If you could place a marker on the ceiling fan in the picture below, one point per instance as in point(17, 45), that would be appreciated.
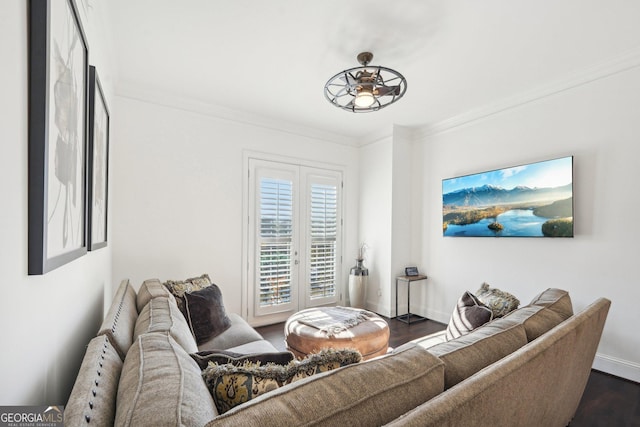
point(366, 88)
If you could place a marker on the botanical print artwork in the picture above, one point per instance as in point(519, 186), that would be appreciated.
point(533, 200)
point(65, 204)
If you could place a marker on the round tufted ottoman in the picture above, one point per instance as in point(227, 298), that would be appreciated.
point(313, 329)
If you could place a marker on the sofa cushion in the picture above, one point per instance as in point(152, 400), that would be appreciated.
point(93, 398)
point(161, 385)
point(537, 320)
point(238, 334)
point(221, 357)
point(466, 355)
point(121, 317)
point(162, 315)
point(258, 346)
point(500, 302)
point(150, 289)
point(430, 340)
point(232, 385)
point(468, 315)
point(373, 392)
point(556, 300)
point(205, 313)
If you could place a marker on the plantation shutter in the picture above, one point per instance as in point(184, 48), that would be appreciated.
point(323, 240)
point(276, 244)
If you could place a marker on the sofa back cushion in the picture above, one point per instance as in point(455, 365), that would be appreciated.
point(536, 319)
point(368, 393)
point(469, 353)
point(161, 385)
point(120, 320)
point(556, 300)
point(163, 315)
point(93, 398)
point(151, 288)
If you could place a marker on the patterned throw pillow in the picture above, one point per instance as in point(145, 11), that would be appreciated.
point(221, 357)
point(232, 385)
point(179, 287)
point(468, 314)
point(500, 302)
point(325, 360)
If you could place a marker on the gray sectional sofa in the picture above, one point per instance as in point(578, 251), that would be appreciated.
point(528, 368)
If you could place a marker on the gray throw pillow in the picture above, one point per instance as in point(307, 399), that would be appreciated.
point(468, 314)
point(205, 313)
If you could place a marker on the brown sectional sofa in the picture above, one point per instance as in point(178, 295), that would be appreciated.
point(528, 368)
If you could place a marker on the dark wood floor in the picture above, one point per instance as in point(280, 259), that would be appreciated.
point(607, 401)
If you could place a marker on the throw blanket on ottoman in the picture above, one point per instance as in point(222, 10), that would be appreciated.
point(333, 320)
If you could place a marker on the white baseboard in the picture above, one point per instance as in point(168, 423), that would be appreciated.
point(618, 367)
point(379, 309)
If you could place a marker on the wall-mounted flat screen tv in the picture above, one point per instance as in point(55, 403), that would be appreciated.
point(532, 200)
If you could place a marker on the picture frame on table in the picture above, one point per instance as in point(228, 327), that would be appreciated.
point(98, 163)
point(58, 101)
point(411, 271)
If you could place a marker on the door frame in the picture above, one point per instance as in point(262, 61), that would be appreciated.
point(246, 291)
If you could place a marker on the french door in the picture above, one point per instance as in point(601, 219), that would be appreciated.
point(294, 239)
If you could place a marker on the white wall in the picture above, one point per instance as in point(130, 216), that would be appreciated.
point(46, 320)
point(386, 213)
point(402, 234)
point(598, 124)
point(177, 192)
point(375, 199)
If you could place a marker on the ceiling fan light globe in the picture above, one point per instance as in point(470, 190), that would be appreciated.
point(364, 99)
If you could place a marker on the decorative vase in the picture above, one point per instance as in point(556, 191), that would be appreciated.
point(358, 284)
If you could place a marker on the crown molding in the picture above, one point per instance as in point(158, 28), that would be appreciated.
point(135, 92)
point(626, 61)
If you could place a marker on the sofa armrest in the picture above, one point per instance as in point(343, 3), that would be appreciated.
point(93, 398)
point(119, 322)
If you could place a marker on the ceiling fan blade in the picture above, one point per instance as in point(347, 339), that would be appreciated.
point(388, 90)
point(348, 78)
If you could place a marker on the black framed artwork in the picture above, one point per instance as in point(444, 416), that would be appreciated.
point(98, 162)
point(58, 101)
